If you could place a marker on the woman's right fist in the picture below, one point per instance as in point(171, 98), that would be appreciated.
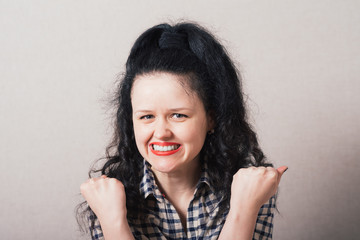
point(106, 197)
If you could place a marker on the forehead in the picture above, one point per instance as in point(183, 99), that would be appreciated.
point(156, 83)
point(163, 91)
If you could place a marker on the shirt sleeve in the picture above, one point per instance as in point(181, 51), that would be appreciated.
point(264, 221)
point(95, 228)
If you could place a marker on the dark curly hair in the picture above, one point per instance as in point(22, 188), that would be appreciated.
point(190, 50)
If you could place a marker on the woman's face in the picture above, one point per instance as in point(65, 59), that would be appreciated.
point(170, 122)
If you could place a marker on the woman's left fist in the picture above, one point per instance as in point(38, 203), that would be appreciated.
point(252, 187)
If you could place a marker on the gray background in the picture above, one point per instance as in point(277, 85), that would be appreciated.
point(59, 61)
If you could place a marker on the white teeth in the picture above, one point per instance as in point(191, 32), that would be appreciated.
point(165, 148)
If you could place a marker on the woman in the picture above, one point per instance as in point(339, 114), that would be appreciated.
point(184, 163)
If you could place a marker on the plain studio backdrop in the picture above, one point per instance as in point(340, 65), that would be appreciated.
point(59, 61)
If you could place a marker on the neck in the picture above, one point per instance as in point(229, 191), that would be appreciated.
point(180, 184)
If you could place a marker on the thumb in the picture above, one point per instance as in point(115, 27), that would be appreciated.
point(281, 171)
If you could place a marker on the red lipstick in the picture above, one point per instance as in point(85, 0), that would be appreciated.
point(164, 144)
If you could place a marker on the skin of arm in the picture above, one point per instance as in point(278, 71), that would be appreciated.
point(250, 189)
point(106, 197)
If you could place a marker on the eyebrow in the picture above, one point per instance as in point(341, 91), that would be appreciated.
point(180, 109)
point(171, 110)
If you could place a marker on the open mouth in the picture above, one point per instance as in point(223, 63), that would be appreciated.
point(164, 148)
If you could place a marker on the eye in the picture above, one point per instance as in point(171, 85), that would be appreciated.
point(179, 115)
point(147, 117)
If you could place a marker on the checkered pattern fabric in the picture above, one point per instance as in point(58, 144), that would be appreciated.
point(206, 214)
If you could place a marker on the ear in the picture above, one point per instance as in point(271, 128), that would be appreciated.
point(210, 120)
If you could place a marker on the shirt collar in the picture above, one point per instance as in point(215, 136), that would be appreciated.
point(204, 178)
point(148, 185)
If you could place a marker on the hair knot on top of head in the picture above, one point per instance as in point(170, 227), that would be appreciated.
point(173, 40)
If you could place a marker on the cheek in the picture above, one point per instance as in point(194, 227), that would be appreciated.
point(195, 135)
point(141, 137)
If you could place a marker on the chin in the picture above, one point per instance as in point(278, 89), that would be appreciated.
point(163, 165)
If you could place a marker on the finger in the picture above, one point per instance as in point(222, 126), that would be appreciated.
point(281, 171)
point(94, 179)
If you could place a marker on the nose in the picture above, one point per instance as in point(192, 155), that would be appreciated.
point(162, 130)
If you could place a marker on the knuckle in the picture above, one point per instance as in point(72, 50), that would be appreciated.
point(83, 187)
point(239, 172)
point(261, 170)
point(112, 180)
point(116, 182)
point(249, 169)
point(272, 174)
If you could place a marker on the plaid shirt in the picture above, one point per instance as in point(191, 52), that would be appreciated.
point(206, 214)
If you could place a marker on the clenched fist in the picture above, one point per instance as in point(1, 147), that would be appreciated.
point(254, 186)
point(106, 197)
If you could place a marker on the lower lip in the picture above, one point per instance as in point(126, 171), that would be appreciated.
point(164, 153)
